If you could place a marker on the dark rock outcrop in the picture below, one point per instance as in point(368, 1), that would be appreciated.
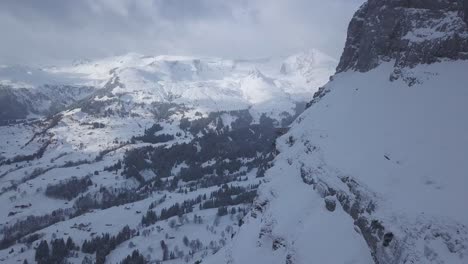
point(465, 10)
point(10, 106)
point(388, 237)
point(330, 204)
point(409, 32)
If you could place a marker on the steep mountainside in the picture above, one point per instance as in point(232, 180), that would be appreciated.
point(373, 171)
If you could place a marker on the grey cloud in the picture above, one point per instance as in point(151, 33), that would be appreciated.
point(51, 31)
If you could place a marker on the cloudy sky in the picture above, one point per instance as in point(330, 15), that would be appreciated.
point(52, 31)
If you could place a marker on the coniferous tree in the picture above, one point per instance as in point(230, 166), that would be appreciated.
point(70, 244)
point(165, 250)
point(149, 219)
point(186, 241)
point(42, 252)
point(135, 258)
point(59, 250)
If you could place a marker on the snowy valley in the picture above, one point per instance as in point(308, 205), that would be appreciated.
point(167, 151)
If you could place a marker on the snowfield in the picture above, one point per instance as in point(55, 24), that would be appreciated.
point(393, 153)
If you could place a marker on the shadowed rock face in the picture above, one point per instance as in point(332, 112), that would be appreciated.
point(19, 103)
point(465, 10)
point(10, 107)
point(410, 32)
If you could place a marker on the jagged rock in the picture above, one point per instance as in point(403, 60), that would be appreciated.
point(465, 10)
point(278, 243)
point(388, 237)
point(330, 204)
point(289, 259)
point(407, 32)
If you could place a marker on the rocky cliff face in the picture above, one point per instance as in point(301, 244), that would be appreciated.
point(465, 10)
point(409, 32)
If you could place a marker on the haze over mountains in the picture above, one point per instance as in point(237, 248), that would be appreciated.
point(179, 159)
point(205, 82)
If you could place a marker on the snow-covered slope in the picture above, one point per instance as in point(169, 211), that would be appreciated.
point(387, 155)
point(373, 171)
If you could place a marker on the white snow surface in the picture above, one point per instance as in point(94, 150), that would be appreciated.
point(213, 84)
point(404, 147)
point(271, 85)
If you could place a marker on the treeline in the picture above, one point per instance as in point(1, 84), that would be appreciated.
point(266, 164)
point(177, 209)
point(21, 158)
point(104, 244)
point(195, 245)
point(56, 253)
point(94, 125)
point(134, 258)
point(150, 136)
point(68, 189)
point(103, 199)
point(162, 159)
point(225, 196)
point(30, 225)
point(233, 147)
point(230, 195)
point(106, 198)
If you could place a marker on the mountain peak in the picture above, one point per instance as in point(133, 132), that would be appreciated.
point(305, 60)
point(256, 73)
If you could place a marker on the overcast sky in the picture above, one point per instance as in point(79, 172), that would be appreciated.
point(51, 31)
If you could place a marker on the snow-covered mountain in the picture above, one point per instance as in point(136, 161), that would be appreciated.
point(211, 84)
point(129, 151)
point(374, 170)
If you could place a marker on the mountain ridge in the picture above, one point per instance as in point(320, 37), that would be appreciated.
point(180, 77)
